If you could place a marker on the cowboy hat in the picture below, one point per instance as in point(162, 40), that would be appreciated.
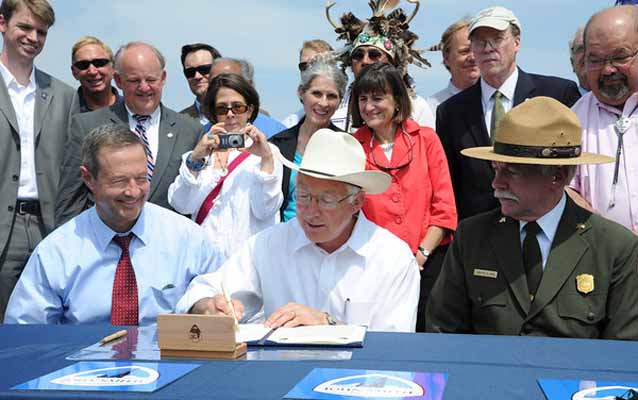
point(540, 131)
point(337, 156)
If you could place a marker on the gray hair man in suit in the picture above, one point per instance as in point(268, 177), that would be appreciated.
point(140, 75)
point(34, 113)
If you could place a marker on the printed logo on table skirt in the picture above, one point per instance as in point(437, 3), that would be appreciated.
point(371, 386)
point(606, 392)
point(112, 376)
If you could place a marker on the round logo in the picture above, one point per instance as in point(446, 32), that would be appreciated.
point(112, 376)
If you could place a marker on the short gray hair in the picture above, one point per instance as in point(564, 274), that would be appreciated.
point(103, 136)
point(326, 70)
point(573, 49)
point(551, 170)
point(117, 63)
point(247, 69)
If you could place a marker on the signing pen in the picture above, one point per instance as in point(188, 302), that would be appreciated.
point(113, 337)
point(230, 304)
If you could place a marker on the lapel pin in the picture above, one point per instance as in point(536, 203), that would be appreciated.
point(169, 135)
point(44, 95)
point(580, 226)
point(502, 220)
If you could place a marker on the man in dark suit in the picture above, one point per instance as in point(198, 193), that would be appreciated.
point(540, 265)
point(197, 60)
point(467, 119)
point(140, 74)
point(34, 116)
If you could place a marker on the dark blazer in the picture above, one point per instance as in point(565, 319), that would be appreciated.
point(177, 135)
point(52, 110)
point(483, 289)
point(191, 111)
point(286, 141)
point(460, 123)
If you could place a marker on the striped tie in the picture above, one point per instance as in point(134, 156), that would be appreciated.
point(141, 132)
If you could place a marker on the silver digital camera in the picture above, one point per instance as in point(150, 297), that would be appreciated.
point(231, 141)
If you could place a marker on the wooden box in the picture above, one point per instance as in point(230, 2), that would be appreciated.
point(198, 336)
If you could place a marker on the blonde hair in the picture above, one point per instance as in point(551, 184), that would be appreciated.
point(318, 45)
point(448, 34)
point(86, 40)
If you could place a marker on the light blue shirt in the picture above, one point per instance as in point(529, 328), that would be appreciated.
point(291, 208)
point(548, 223)
point(69, 277)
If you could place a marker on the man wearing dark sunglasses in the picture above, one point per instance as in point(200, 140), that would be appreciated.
point(34, 113)
point(92, 66)
point(140, 74)
point(197, 59)
point(370, 46)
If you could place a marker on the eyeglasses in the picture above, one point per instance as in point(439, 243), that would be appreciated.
point(324, 201)
point(236, 108)
point(373, 54)
point(387, 168)
point(617, 61)
point(202, 69)
point(494, 43)
point(96, 62)
point(303, 66)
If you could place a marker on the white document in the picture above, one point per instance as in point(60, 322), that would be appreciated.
point(334, 335)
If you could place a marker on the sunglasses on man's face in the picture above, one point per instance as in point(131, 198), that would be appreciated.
point(373, 55)
point(236, 108)
point(85, 64)
point(202, 69)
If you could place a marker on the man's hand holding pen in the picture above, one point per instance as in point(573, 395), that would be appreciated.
point(218, 305)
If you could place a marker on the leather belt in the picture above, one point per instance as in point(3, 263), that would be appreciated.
point(28, 207)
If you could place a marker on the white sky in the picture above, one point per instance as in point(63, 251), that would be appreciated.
point(269, 33)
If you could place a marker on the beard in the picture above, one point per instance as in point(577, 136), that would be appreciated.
point(615, 87)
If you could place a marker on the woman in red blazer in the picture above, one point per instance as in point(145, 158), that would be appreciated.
point(419, 205)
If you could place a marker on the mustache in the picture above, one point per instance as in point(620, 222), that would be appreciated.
point(615, 76)
point(505, 194)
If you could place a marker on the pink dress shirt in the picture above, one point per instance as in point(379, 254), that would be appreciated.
point(594, 182)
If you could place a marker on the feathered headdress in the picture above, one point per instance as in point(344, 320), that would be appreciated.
point(389, 33)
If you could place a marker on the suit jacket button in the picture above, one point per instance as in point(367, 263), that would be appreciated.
point(10, 208)
point(15, 178)
point(479, 299)
point(591, 316)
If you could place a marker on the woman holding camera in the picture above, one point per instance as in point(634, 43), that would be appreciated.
point(320, 91)
point(230, 183)
point(419, 206)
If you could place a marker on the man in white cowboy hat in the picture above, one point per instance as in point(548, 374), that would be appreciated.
point(540, 265)
point(327, 266)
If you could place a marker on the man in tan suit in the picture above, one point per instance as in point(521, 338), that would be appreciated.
point(34, 113)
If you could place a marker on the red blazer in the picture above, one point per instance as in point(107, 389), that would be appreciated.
point(421, 193)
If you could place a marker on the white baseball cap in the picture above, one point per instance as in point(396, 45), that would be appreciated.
point(498, 18)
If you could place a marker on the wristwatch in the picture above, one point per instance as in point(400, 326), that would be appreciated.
point(195, 165)
point(331, 321)
point(424, 252)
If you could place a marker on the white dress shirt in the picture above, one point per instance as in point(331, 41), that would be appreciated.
point(374, 273)
point(507, 89)
point(23, 101)
point(548, 224)
point(248, 202)
point(151, 126)
point(442, 95)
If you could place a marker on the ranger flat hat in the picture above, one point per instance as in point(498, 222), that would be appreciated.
point(338, 156)
point(540, 131)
